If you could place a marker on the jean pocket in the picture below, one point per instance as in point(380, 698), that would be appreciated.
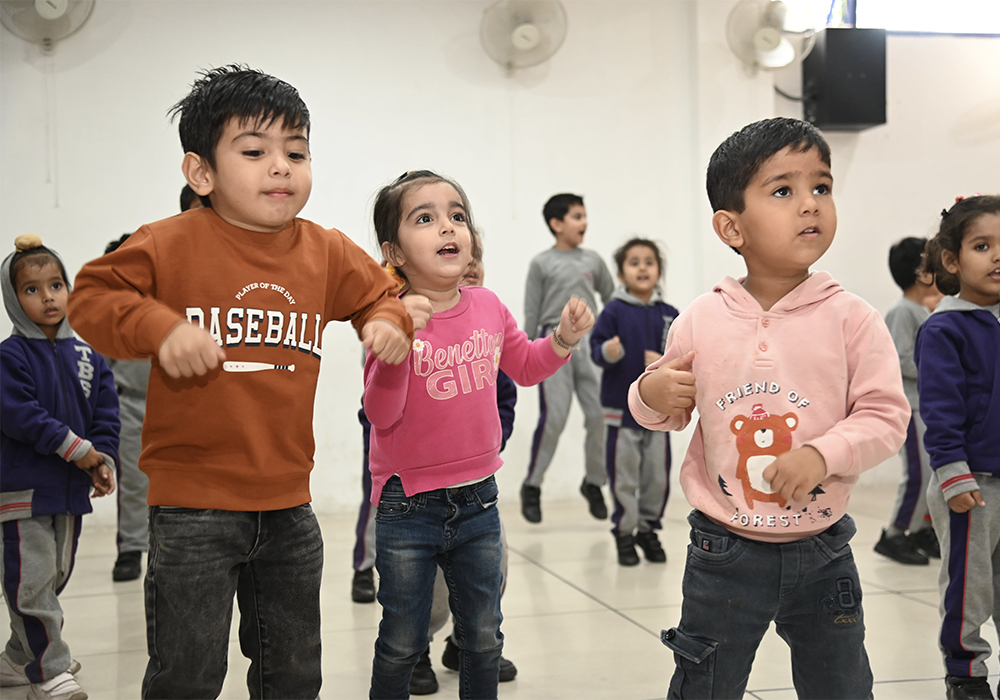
point(695, 659)
point(487, 493)
point(835, 542)
point(393, 507)
point(710, 549)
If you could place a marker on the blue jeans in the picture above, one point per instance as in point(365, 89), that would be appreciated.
point(198, 559)
point(734, 588)
point(459, 530)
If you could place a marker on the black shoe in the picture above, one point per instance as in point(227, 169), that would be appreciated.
point(900, 548)
point(128, 567)
point(627, 556)
point(649, 543)
point(595, 499)
point(422, 679)
point(971, 687)
point(363, 586)
point(507, 670)
point(531, 503)
point(449, 659)
point(927, 542)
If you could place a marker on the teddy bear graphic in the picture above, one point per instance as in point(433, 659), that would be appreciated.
point(760, 438)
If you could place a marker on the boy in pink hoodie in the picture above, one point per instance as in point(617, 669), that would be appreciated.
point(798, 391)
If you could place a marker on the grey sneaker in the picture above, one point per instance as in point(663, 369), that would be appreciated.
point(62, 687)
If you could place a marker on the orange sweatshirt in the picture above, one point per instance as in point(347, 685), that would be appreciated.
point(240, 437)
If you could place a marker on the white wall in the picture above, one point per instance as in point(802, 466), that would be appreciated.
point(626, 114)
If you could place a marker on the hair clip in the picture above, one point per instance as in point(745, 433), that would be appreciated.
point(26, 242)
point(959, 198)
point(944, 213)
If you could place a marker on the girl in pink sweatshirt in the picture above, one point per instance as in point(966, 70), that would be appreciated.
point(436, 436)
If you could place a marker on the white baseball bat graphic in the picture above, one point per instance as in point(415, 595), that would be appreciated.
point(253, 366)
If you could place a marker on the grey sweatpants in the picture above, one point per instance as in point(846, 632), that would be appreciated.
point(35, 564)
point(133, 513)
point(638, 470)
point(581, 375)
point(969, 581)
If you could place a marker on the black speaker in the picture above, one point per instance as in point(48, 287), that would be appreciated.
point(843, 79)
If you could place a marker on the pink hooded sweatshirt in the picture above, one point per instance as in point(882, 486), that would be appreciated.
point(819, 368)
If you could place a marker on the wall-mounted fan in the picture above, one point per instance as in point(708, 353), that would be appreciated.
point(522, 33)
point(44, 22)
point(771, 34)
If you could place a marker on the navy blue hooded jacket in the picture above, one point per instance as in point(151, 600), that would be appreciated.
point(56, 400)
point(640, 327)
point(958, 376)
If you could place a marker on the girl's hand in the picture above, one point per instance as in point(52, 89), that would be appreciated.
point(89, 460)
point(385, 340)
point(419, 308)
point(613, 348)
point(964, 502)
point(104, 480)
point(576, 320)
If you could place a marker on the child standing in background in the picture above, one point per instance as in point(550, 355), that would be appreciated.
point(910, 538)
point(59, 438)
point(436, 436)
point(798, 391)
point(228, 441)
point(958, 361)
point(630, 334)
point(556, 275)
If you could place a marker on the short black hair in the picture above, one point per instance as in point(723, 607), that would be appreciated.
point(904, 261)
point(37, 257)
point(558, 206)
point(238, 92)
point(112, 246)
point(736, 161)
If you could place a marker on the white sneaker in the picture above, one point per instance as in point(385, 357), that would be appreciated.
point(12, 674)
point(62, 687)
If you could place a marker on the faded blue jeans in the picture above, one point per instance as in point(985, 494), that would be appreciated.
point(459, 530)
point(272, 561)
point(735, 587)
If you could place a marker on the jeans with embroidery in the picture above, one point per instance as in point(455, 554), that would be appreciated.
point(457, 529)
point(735, 587)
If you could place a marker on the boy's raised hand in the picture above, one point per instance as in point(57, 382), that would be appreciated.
point(419, 308)
point(670, 388)
point(964, 502)
point(104, 480)
point(188, 351)
point(385, 341)
point(794, 474)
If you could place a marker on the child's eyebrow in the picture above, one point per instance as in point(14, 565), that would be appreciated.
point(789, 175)
point(430, 205)
point(262, 135)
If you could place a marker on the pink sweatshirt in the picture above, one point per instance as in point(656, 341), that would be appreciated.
point(818, 369)
point(434, 417)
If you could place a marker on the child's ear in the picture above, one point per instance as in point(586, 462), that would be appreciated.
point(950, 261)
point(726, 225)
point(198, 174)
point(392, 253)
point(555, 225)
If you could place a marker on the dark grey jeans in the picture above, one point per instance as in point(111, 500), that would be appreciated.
point(734, 588)
point(198, 559)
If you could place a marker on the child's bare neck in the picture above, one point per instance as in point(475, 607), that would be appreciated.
point(440, 299)
point(563, 245)
point(768, 290)
point(916, 293)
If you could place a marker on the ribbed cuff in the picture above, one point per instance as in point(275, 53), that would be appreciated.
point(956, 479)
point(73, 447)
